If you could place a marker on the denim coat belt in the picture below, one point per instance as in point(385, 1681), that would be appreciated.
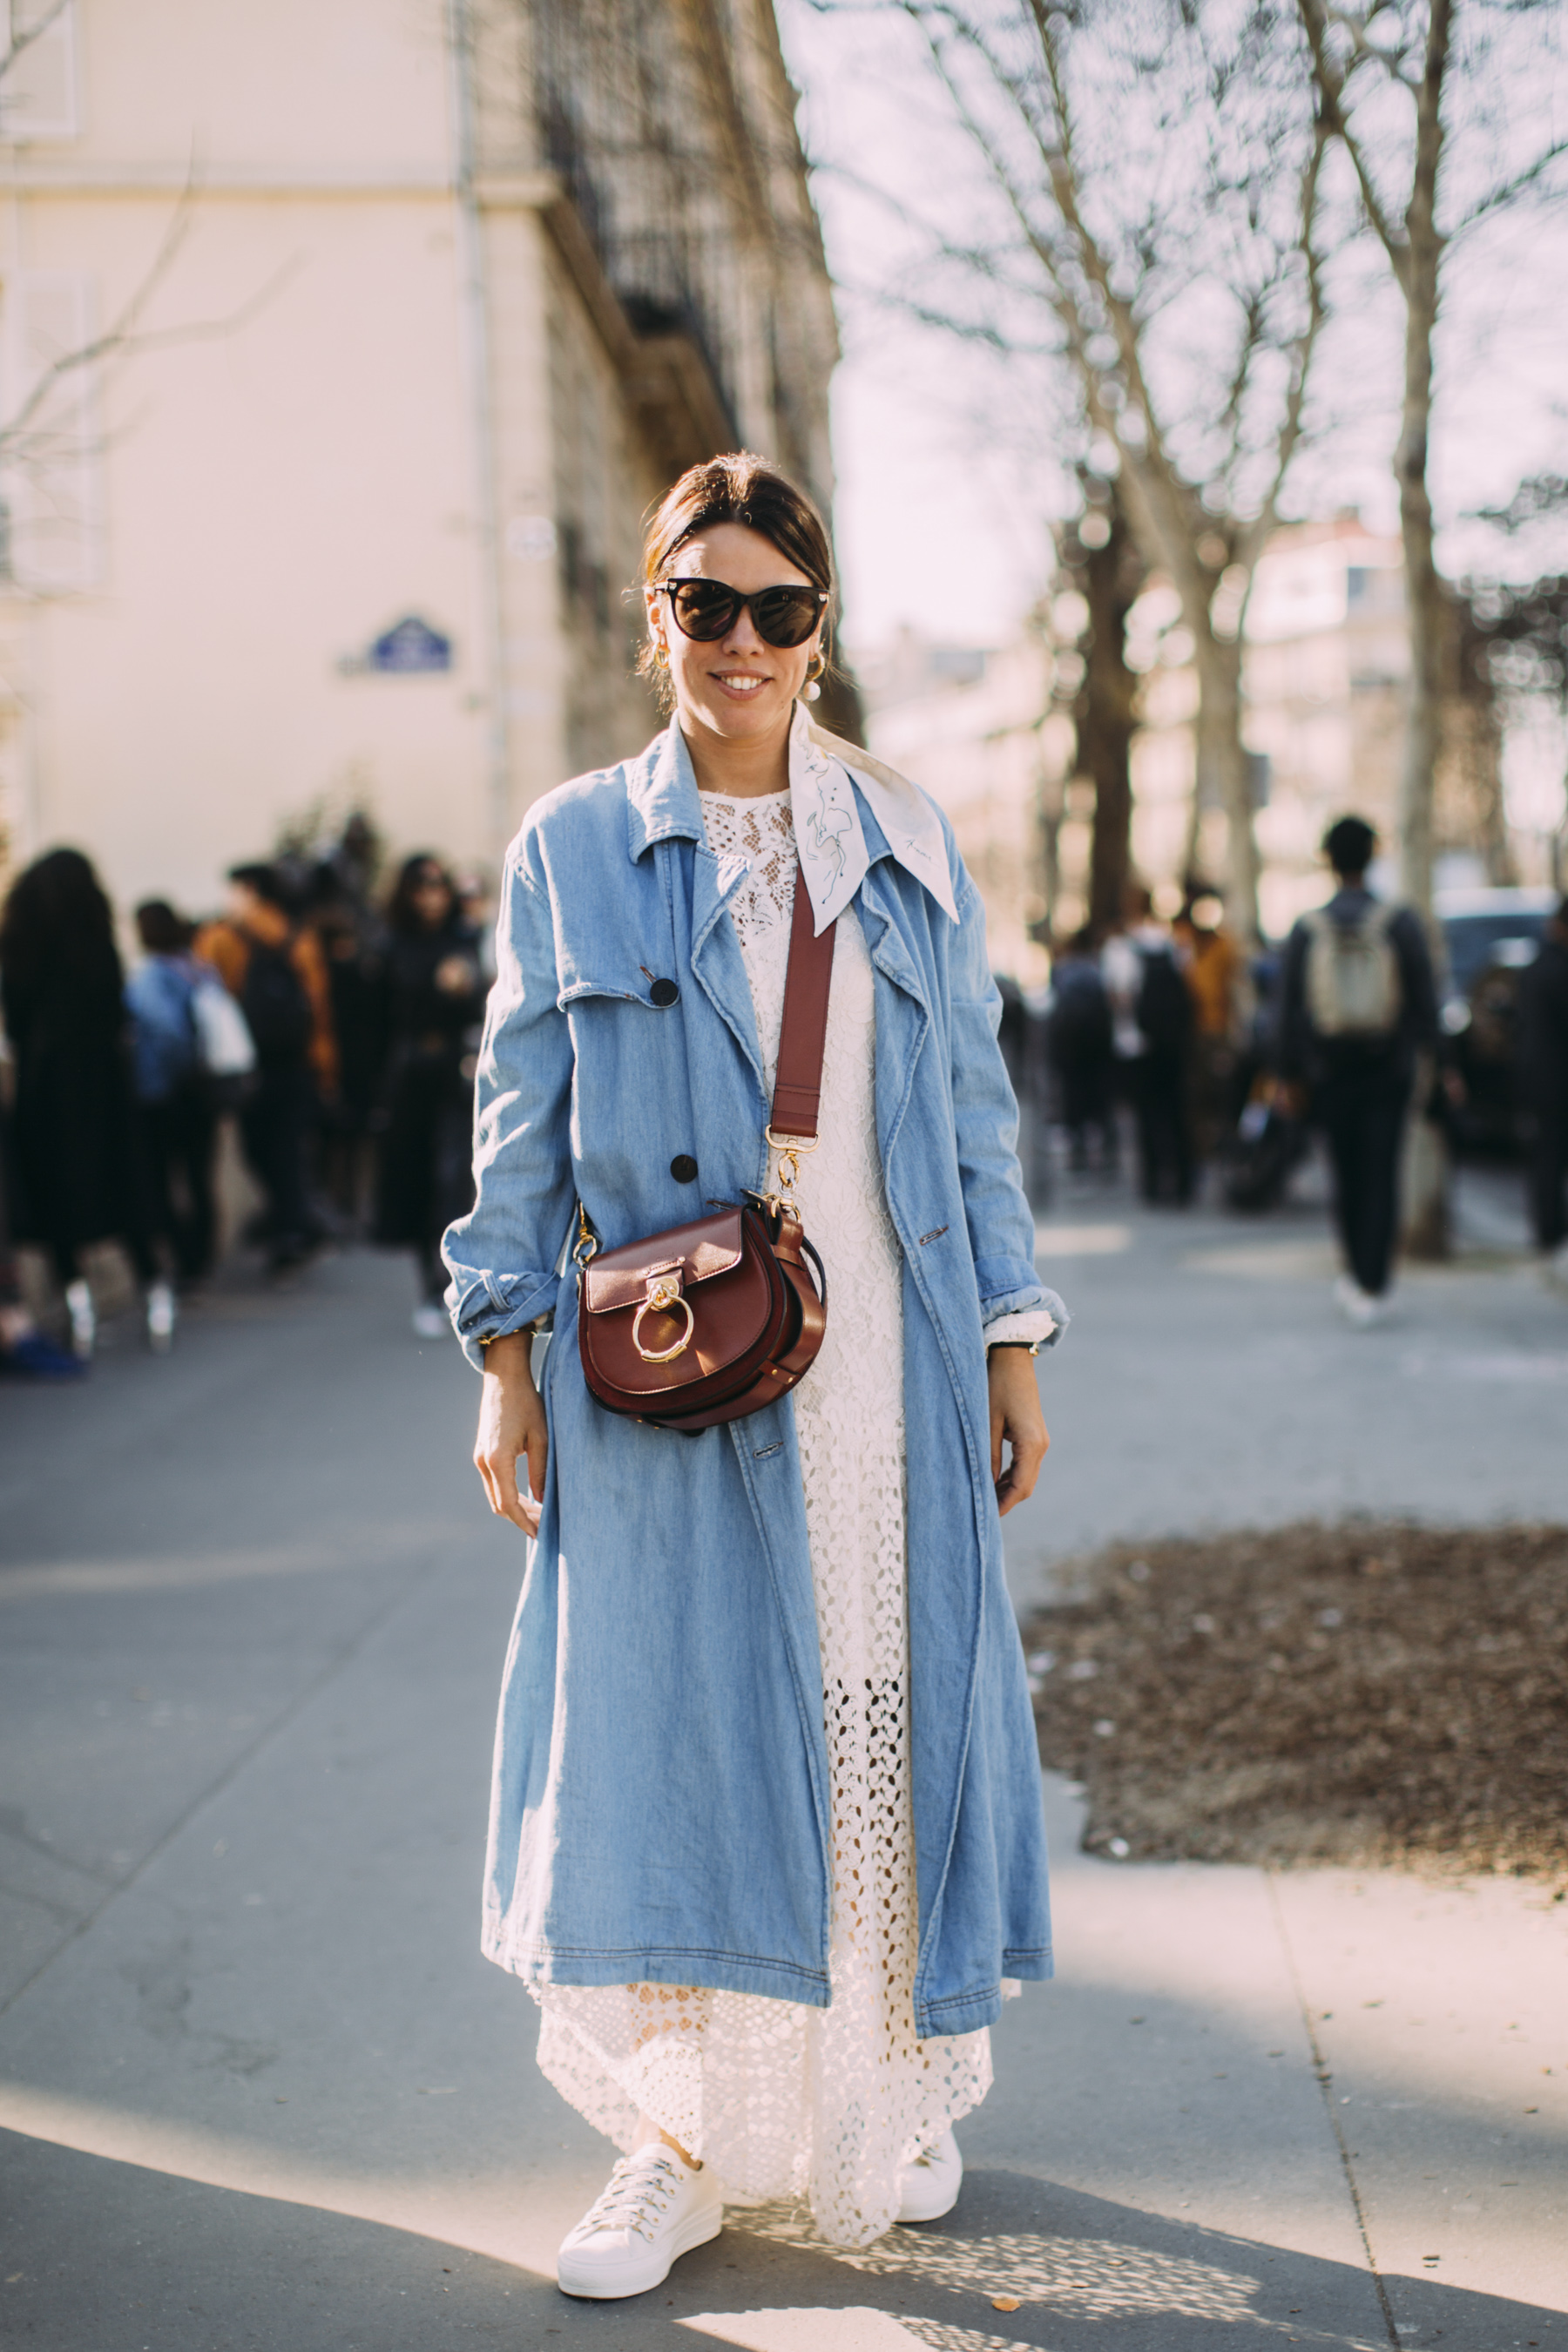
point(660, 1805)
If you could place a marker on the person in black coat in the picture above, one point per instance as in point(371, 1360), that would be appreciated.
point(1543, 1081)
point(1081, 1050)
point(434, 998)
point(80, 1176)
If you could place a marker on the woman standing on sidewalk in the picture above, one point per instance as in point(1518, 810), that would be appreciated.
point(78, 1155)
point(766, 1836)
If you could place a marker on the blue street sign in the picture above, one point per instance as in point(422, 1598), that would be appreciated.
point(410, 646)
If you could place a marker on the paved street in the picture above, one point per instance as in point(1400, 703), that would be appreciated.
point(258, 2090)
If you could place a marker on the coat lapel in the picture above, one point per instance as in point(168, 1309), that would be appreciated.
point(663, 805)
point(716, 963)
point(903, 1004)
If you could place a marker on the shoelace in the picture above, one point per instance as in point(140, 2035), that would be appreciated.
point(634, 2196)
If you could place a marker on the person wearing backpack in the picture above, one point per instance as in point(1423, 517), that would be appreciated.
point(176, 1101)
point(1152, 1009)
point(1358, 1005)
point(279, 977)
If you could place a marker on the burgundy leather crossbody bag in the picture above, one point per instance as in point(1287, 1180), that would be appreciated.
point(713, 1320)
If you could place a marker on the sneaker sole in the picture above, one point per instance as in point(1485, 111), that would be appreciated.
point(637, 2278)
point(926, 2208)
point(929, 2213)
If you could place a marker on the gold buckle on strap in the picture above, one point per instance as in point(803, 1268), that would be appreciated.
point(789, 1148)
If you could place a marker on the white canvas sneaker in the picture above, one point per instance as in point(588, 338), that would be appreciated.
point(161, 1316)
point(928, 2186)
point(83, 1319)
point(1357, 1306)
point(654, 2210)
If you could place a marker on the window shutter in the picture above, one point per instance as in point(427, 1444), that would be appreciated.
point(39, 96)
point(50, 458)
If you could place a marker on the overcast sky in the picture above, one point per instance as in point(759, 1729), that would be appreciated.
point(942, 526)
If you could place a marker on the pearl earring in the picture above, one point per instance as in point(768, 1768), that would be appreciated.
point(812, 690)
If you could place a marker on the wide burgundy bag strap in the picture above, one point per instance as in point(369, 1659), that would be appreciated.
point(797, 1087)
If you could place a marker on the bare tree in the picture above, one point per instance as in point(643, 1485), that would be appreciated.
point(32, 437)
point(1100, 563)
point(1412, 50)
point(1157, 225)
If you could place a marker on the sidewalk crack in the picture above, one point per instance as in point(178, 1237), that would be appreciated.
point(1320, 2069)
point(338, 1659)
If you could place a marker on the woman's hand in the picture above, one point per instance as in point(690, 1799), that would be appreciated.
point(511, 1423)
point(1016, 1417)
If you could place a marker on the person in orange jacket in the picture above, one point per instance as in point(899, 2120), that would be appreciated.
point(279, 977)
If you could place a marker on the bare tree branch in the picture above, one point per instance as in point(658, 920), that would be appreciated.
point(1257, 537)
point(1331, 89)
point(23, 41)
point(1511, 190)
point(120, 339)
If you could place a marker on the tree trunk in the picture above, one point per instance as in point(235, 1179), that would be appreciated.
point(1108, 578)
point(1422, 590)
point(1167, 541)
point(1426, 1208)
point(1222, 776)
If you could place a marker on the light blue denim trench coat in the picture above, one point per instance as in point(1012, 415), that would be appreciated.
point(659, 1811)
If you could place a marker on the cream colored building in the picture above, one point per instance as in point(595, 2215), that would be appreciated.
point(408, 309)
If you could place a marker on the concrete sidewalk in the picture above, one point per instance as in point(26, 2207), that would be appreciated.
point(1208, 1380)
point(258, 2089)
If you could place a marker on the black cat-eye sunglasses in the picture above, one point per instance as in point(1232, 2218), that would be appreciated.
point(706, 610)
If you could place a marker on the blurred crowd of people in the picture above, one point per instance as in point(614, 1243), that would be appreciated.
point(337, 1027)
point(1217, 1059)
point(1148, 1019)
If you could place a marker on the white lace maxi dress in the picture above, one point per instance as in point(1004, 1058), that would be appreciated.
point(780, 2099)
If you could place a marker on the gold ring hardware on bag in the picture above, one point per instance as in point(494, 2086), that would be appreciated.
point(663, 1298)
point(587, 1240)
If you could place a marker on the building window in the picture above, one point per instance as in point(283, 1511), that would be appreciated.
point(40, 92)
point(50, 433)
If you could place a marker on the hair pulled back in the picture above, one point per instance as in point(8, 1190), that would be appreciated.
point(737, 488)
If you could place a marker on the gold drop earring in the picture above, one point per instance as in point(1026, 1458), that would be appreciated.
point(815, 670)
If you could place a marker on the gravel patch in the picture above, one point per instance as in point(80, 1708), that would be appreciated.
point(1361, 1695)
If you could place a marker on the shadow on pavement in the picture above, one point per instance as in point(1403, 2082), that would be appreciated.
point(103, 2256)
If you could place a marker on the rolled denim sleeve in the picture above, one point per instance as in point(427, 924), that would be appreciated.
point(504, 1255)
point(1000, 1223)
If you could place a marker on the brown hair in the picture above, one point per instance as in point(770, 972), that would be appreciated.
point(737, 488)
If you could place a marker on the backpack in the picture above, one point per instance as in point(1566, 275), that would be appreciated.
point(276, 1008)
point(1352, 982)
point(224, 1048)
point(1165, 1008)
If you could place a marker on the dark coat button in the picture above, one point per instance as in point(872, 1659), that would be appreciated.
point(663, 993)
point(683, 1168)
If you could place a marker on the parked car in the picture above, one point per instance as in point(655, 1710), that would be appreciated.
point(1488, 937)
